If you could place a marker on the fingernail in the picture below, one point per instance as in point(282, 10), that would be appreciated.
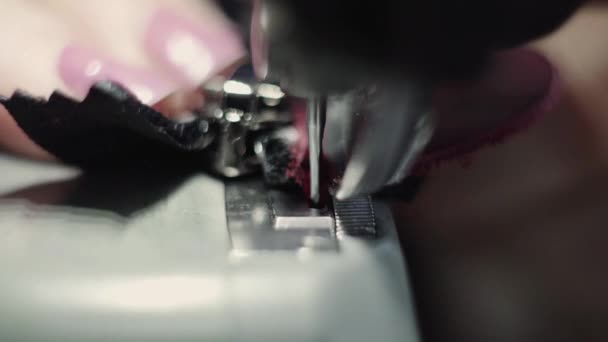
point(80, 68)
point(192, 50)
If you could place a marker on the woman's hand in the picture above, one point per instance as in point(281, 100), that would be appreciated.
point(153, 47)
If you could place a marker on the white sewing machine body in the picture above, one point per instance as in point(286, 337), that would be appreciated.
point(170, 272)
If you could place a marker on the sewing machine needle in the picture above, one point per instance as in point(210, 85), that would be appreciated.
point(315, 117)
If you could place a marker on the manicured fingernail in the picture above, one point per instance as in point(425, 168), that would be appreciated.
point(79, 68)
point(193, 51)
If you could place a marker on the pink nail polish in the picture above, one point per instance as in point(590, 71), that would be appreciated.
point(79, 68)
point(193, 51)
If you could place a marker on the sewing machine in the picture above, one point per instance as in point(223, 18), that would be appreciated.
point(197, 259)
point(138, 257)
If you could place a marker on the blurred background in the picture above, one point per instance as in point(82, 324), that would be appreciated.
point(509, 247)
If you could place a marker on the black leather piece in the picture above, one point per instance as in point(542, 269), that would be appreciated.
point(110, 132)
point(110, 129)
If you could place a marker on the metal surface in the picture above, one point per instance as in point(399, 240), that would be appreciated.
point(390, 116)
point(72, 271)
point(264, 220)
point(245, 109)
point(392, 127)
point(371, 135)
point(355, 217)
point(315, 118)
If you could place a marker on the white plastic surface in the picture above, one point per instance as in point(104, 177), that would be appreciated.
point(166, 274)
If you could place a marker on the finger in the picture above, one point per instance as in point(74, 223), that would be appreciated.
point(152, 47)
point(69, 45)
point(80, 67)
point(32, 39)
point(193, 47)
point(580, 52)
